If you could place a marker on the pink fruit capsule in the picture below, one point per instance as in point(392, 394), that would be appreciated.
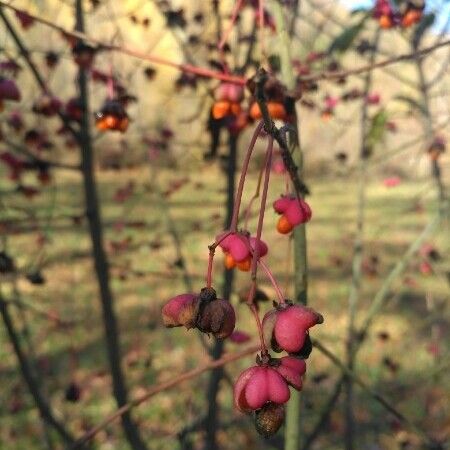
point(287, 327)
point(178, 311)
point(258, 385)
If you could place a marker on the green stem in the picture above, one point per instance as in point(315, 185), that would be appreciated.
point(378, 303)
point(355, 289)
point(292, 428)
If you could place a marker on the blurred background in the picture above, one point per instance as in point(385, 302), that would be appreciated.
point(164, 186)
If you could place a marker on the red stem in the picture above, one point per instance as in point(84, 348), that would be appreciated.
point(262, 208)
point(226, 34)
point(237, 202)
point(128, 51)
point(259, 326)
point(255, 256)
point(261, 13)
point(248, 210)
point(271, 278)
point(212, 251)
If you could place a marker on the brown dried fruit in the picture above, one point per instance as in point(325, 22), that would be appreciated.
point(269, 419)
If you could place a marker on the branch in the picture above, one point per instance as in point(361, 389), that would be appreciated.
point(277, 134)
point(204, 72)
point(369, 67)
point(212, 364)
point(211, 422)
point(101, 263)
point(373, 393)
point(379, 301)
point(27, 373)
point(40, 161)
point(128, 51)
point(34, 70)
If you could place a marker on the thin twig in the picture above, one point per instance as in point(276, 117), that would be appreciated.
point(373, 393)
point(28, 375)
point(382, 295)
point(212, 364)
point(128, 51)
point(355, 288)
point(220, 75)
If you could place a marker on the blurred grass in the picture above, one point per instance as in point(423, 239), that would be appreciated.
point(144, 276)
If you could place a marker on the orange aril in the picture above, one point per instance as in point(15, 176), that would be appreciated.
point(276, 110)
point(220, 109)
point(385, 22)
point(255, 112)
point(235, 109)
point(326, 115)
point(229, 261)
point(284, 226)
point(101, 124)
point(245, 265)
point(123, 125)
point(411, 17)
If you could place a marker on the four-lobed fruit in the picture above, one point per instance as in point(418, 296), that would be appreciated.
point(112, 117)
point(238, 249)
point(286, 326)
point(294, 211)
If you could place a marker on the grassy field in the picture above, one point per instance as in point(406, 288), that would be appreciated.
point(398, 357)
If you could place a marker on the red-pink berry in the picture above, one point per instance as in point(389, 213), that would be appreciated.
point(240, 246)
point(239, 337)
point(281, 204)
point(259, 385)
point(294, 211)
point(9, 90)
point(260, 245)
point(287, 326)
point(292, 370)
point(298, 212)
point(229, 92)
point(179, 310)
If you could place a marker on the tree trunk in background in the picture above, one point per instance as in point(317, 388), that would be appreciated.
point(100, 259)
point(216, 375)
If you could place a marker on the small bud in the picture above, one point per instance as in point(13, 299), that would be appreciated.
point(269, 419)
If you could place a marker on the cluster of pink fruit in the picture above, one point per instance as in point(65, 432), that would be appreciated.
point(262, 389)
